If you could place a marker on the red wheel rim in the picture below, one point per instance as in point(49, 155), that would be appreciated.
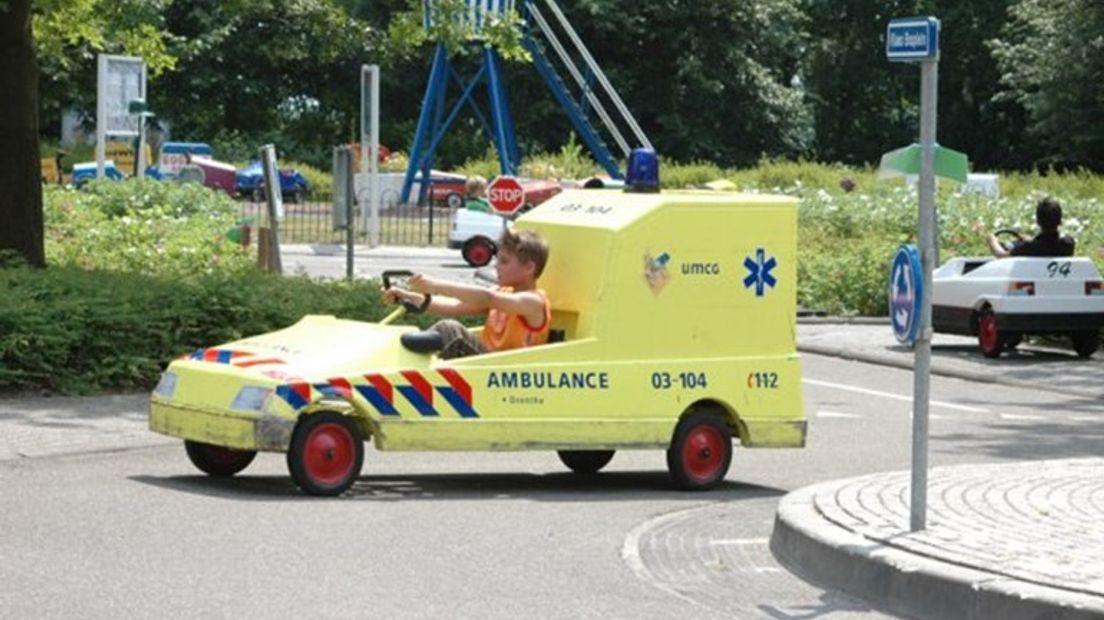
point(329, 454)
point(480, 254)
point(987, 333)
point(703, 452)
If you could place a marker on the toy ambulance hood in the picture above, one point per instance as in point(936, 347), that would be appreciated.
point(315, 349)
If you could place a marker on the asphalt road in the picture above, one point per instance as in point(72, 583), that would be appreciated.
point(138, 533)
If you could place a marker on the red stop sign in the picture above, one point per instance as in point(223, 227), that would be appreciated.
point(505, 195)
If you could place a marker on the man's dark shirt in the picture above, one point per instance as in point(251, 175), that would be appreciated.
point(1045, 244)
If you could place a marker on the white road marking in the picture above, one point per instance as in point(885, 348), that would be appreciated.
point(836, 414)
point(1021, 417)
point(860, 390)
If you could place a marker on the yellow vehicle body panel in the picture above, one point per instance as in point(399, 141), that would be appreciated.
point(668, 302)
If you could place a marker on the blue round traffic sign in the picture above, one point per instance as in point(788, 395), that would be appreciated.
point(906, 285)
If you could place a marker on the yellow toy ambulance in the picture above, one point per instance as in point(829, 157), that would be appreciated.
point(673, 316)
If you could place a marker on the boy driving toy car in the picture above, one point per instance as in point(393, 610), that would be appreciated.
point(1048, 215)
point(518, 313)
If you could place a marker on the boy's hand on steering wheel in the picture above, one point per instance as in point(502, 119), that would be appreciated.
point(395, 295)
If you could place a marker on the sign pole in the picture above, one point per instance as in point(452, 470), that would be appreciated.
point(369, 148)
point(101, 114)
point(275, 203)
point(350, 193)
point(142, 118)
point(916, 39)
point(929, 80)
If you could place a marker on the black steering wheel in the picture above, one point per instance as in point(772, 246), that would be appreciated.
point(1014, 233)
point(411, 307)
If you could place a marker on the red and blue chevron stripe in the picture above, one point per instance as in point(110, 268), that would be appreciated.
point(242, 359)
point(380, 392)
point(219, 356)
point(458, 393)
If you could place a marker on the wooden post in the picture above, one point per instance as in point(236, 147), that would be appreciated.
point(264, 249)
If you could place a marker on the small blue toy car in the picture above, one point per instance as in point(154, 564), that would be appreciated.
point(85, 172)
point(250, 182)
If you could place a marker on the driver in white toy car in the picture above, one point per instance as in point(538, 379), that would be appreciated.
point(1048, 215)
point(1040, 288)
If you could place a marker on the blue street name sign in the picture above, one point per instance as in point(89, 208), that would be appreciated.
point(906, 283)
point(912, 38)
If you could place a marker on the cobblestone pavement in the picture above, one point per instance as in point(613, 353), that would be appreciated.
point(1002, 541)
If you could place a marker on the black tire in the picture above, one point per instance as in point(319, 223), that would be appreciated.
point(218, 461)
point(1085, 343)
point(258, 195)
point(585, 461)
point(478, 251)
point(326, 454)
point(700, 452)
point(454, 201)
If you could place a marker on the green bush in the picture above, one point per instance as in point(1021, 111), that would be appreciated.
point(571, 162)
point(74, 331)
point(842, 237)
point(679, 176)
point(798, 177)
point(321, 181)
point(144, 227)
point(117, 198)
point(844, 279)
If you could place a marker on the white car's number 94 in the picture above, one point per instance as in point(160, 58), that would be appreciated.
point(1055, 268)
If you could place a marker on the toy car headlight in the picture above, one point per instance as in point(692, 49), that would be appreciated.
point(167, 385)
point(250, 398)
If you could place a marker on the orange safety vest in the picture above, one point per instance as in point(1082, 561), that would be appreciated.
point(504, 331)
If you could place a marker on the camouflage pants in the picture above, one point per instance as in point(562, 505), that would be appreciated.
point(459, 342)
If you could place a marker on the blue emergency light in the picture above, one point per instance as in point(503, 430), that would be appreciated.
point(643, 173)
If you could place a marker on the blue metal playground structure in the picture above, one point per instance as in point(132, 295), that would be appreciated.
point(539, 38)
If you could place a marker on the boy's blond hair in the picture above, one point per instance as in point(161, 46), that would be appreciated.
point(527, 245)
point(475, 186)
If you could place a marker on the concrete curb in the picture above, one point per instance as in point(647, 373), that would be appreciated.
point(937, 369)
point(843, 320)
point(810, 545)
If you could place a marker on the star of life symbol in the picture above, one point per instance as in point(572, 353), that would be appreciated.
point(759, 272)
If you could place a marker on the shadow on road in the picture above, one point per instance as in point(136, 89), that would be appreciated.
point(1032, 440)
point(829, 603)
point(1016, 358)
point(557, 487)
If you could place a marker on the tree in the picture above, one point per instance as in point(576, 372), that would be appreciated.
point(1051, 61)
point(285, 70)
point(20, 176)
point(52, 25)
point(863, 104)
point(707, 79)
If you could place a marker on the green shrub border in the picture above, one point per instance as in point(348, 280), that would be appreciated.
point(71, 331)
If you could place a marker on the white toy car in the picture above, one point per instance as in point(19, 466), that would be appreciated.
point(476, 235)
point(1000, 300)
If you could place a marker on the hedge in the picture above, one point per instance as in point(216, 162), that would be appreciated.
point(73, 331)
